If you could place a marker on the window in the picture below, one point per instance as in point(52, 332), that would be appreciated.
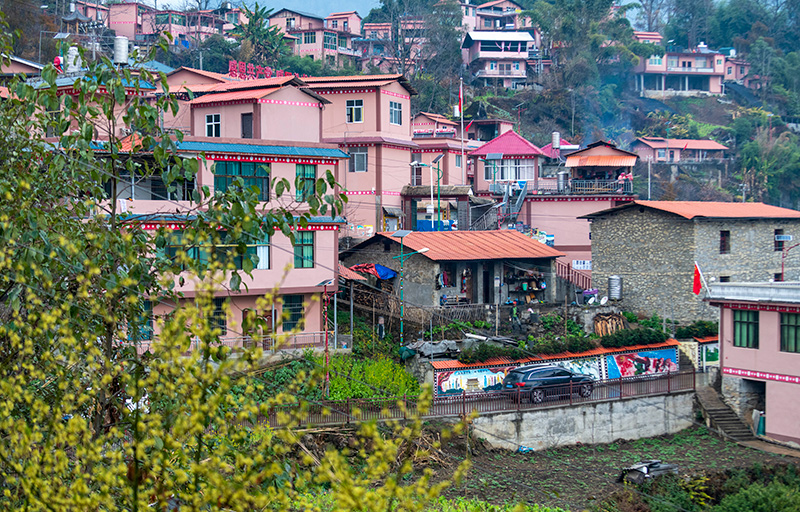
point(329, 40)
point(342, 41)
point(247, 125)
point(345, 26)
point(458, 161)
point(355, 111)
point(180, 19)
point(777, 277)
point(741, 70)
point(745, 328)
point(310, 38)
point(492, 65)
point(719, 62)
point(790, 332)
point(305, 181)
point(304, 249)
point(373, 34)
point(395, 112)
point(289, 22)
point(516, 66)
point(162, 19)
point(335, 24)
point(672, 62)
point(213, 125)
point(662, 153)
point(416, 176)
point(724, 279)
point(655, 60)
point(219, 318)
point(487, 23)
point(778, 243)
point(358, 160)
point(228, 251)
point(293, 311)
point(730, 70)
point(141, 329)
point(252, 174)
point(724, 242)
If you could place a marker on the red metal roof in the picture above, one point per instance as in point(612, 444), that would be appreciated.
point(454, 364)
point(699, 144)
point(439, 118)
point(550, 152)
point(601, 161)
point(709, 209)
point(475, 245)
point(208, 74)
point(346, 273)
point(509, 144)
point(260, 83)
point(249, 94)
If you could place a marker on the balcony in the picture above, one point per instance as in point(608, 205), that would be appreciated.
point(269, 343)
point(348, 51)
point(550, 186)
point(496, 73)
point(691, 70)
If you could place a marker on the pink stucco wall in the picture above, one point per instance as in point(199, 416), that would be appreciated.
point(782, 407)
point(125, 20)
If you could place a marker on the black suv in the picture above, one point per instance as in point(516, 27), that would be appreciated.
point(540, 382)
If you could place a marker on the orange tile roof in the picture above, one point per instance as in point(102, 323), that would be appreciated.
point(346, 273)
point(338, 82)
point(250, 94)
point(276, 81)
point(708, 209)
point(4, 92)
point(349, 78)
point(707, 339)
point(475, 245)
point(699, 144)
point(601, 161)
point(208, 74)
point(455, 364)
point(439, 118)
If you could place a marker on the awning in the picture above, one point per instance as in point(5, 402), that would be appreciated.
point(391, 211)
point(601, 161)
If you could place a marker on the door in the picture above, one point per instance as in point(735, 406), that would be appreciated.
point(247, 126)
point(487, 286)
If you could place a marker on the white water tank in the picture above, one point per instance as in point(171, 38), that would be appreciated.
point(615, 287)
point(556, 140)
point(121, 50)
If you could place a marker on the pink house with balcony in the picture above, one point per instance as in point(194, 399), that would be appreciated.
point(759, 341)
point(657, 149)
point(679, 72)
point(327, 39)
point(501, 15)
point(498, 58)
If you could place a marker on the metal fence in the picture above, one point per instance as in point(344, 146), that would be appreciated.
point(341, 412)
point(274, 343)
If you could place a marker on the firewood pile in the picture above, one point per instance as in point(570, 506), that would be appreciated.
point(607, 323)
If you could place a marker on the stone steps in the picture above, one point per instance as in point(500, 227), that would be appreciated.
point(722, 417)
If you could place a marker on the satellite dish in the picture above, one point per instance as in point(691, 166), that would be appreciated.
point(603, 301)
point(591, 301)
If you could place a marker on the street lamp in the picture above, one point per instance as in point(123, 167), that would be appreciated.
point(438, 186)
point(401, 234)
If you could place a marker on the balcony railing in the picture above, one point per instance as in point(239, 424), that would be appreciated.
point(496, 73)
point(348, 51)
point(569, 187)
point(691, 70)
point(299, 341)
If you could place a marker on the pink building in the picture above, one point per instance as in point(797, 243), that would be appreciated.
point(369, 118)
point(501, 15)
point(657, 149)
point(509, 170)
point(498, 58)
point(185, 83)
point(377, 48)
point(329, 39)
point(17, 65)
point(759, 340)
point(142, 24)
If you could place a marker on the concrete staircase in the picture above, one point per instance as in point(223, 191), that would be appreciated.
point(720, 416)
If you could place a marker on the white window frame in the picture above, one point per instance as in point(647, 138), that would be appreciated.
point(354, 111)
point(214, 125)
point(396, 113)
point(661, 153)
point(357, 156)
point(458, 160)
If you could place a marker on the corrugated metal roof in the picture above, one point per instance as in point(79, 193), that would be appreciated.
point(254, 149)
point(259, 83)
point(476, 245)
point(250, 94)
point(346, 273)
point(509, 144)
point(488, 35)
point(454, 364)
point(338, 82)
point(601, 161)
point(708, 209)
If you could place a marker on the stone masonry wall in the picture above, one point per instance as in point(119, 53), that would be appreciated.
point(601, 422)
point(653, 253)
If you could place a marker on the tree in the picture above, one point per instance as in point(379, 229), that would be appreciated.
point(689, 22)
point(267, 42)
point(87, 422)
point(650, 15)
point(761, 56)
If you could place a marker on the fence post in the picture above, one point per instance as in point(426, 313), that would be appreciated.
point(405, 406)
point(570, 391)
point(669, 382)
point(694, 379)
point(347, 410)
point(519, 397)
point(464, 403)
point(620, 387)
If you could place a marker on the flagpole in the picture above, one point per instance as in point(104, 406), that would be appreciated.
point(461, 113)
point(702, 277)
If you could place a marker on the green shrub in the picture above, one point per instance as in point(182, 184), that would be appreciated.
point(486, 351)
point(630, 337)
point(368, 378)
point(761, 498)
point(553, 322)
point(699, 329)
point(630, 317)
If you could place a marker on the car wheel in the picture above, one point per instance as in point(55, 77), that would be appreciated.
point(537, 396)
point(586, 390)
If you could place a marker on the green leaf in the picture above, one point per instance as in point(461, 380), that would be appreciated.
point(236, 281)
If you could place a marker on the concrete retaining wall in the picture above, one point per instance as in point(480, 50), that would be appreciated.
point(599, 422)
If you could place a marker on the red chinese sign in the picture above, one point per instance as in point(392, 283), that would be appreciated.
point(247, 71)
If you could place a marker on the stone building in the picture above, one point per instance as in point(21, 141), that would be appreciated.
point(759, 340)
point(464, 267)
point(653, 246)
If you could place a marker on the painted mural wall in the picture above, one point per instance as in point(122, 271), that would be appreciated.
point(645, 362)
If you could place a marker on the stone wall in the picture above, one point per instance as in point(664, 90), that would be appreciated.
point(599, 422)
point(743, 395)
point(654, 252)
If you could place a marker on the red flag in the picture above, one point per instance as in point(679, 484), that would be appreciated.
point(461, 100)
point(698, 283)
point(470, 124)
point(686, 146)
